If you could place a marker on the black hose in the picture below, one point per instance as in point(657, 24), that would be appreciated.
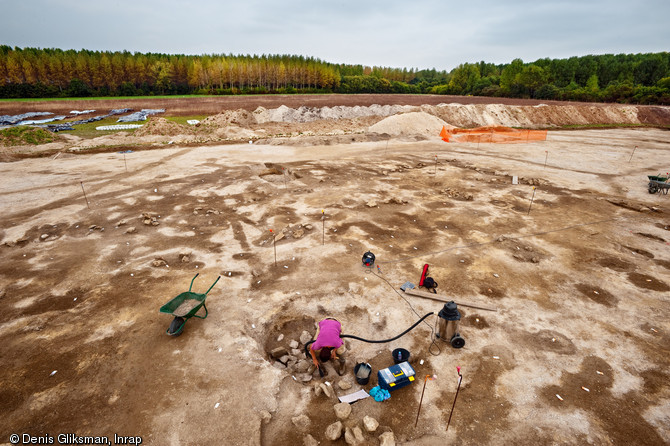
point(383, 341)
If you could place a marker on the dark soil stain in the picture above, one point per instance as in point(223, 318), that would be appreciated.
point(597, 294)
point(475, 320)
point(437, 205)
point(290, 327)
point(71, 299)
point(651, 236)
point(655, 380)
point(616, 264)
point(647, 282)
point(522, 251)
point(642, 252)
point(272, 274)
point(490, 290)
point(619, 418)
point(547, 340)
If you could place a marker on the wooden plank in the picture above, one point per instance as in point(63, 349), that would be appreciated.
point(443, 298)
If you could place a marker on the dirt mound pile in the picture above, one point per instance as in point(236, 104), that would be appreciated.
point(161, 126)
point(310, 114)
point(410, 124)
point(25, 135)
point(536, 116)
point(239, 117)
point(234, 132)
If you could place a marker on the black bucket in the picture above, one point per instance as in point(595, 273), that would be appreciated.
point(362, 371)
point(400, 355)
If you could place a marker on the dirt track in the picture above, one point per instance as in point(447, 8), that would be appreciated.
point(581, 283)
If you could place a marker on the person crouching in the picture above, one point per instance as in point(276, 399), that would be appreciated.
point(328, 345)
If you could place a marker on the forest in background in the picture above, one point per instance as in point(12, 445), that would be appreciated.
point(45, 73)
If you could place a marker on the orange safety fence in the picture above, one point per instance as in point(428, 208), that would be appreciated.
point(501, 135)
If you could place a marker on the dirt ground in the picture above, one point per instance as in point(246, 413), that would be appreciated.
point(574, 258)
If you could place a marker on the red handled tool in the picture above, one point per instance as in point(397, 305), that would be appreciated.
point(423, 274)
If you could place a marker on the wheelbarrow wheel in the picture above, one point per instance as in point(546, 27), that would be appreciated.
point(176, 326)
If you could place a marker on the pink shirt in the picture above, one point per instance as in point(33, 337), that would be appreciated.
point(329, 335)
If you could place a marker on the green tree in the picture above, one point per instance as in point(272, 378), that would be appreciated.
point(464, 78)
point(509, 78)
point(531, 78)
point(163, 75)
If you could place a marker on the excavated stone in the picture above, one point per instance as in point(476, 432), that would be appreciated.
point(302, 422)
point(326, 390)
point(342, 410)
point(265, 416)
point(344, 385)
point(358, 434)
point(305, 377)
point(278, 352)
point(334, 431)
point(349, 437)
point(387, 439)
point(302, 366)
point(305, 337)
point(370, 423)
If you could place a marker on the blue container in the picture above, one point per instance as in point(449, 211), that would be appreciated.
point(396, 376)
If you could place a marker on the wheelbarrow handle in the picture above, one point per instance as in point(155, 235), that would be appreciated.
point(210, 288)
point(189, 288)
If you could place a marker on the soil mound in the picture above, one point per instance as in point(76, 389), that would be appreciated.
point(239, 117)
point(161, 126)
point(410, 124)
point(533, 116)
point(309, 114)
point(234, 132)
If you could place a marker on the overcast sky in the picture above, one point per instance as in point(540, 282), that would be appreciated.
point(392, 33)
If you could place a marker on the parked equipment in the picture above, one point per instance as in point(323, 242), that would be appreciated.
point(185, 306)
point(368, 259)
point(447, 326)
point(658, 183)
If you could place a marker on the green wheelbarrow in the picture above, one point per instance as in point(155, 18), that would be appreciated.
point(185, 306)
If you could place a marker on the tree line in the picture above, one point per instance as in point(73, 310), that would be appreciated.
point(35, 72)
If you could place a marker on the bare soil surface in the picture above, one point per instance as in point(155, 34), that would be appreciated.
point(574, 258)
